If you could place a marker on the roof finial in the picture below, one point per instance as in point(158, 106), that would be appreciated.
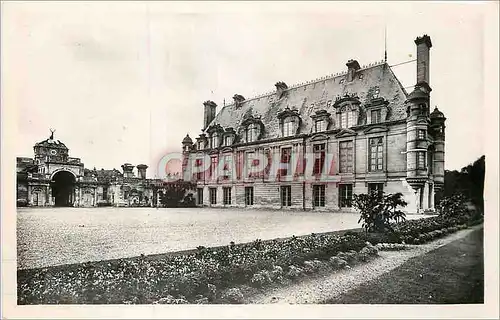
point(52, 133)
point(385, 43)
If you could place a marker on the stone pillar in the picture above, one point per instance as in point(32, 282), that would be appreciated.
point(30, 201)
point(49, 196)
point(76, 203)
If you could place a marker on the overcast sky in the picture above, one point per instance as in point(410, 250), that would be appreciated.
point(124, 82)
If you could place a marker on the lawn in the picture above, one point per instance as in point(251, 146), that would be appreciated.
point(452, 274)
point(55, 236)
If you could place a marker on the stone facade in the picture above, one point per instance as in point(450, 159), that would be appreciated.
point(335, 136)
point(52, 178)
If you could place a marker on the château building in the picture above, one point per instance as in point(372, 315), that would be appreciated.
point(314, 145)
point(53, 178)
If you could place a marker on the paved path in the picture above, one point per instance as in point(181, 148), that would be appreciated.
point(317, 290)
point(54, 236)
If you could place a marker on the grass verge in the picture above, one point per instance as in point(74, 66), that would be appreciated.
point(452, 274)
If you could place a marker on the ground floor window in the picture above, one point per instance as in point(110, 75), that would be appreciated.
point(376, 187)
point(199, 196)
point(227, 195)
point(319, 195)
point(286, 196)
point(249, 196)
point(345, 195)
point(213, 195)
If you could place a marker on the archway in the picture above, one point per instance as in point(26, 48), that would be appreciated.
point(63, 186)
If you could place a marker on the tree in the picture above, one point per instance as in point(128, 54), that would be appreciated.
point(173, 194)
point(379, 210)
point(469, 181)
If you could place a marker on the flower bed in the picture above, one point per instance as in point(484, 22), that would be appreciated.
point(186, 277)
point(210, 274)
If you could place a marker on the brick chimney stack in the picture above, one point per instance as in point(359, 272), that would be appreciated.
point(128, 170)
point(141, 170)
point(423, 58)
point(209, 113)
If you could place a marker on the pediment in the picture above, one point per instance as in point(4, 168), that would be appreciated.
point(215, 128)
point(288, 113)
point(422, 121)
point(376, 129)
point(377, 103)
point(213, 151)
point(352, 98)
point(345, 133)
point(319, 136)
point(251, 119)
point(227, 149)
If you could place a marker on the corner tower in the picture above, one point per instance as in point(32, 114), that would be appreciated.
point(417, 128)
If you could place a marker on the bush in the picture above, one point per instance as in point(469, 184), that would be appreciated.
point(379, 210)
point(454, 207)
point(261, 279)
point(233, 296)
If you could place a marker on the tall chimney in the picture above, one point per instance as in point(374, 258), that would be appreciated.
point(141, 170)
point(128, 170)
point(352, 67)
point(423, 60)
point(209, 113)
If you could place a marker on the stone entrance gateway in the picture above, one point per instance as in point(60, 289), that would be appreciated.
point(63, 187)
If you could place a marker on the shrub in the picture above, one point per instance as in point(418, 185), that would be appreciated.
point(294, 272)
point(337, 262)
point(233, 296)
point(379, 210)
point(454, 206)
point(261, 279)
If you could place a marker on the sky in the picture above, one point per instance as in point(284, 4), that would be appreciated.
point(126, 81)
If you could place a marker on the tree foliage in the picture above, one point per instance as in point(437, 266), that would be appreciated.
point(379, 210)
point(469, 181)
point(176, 194)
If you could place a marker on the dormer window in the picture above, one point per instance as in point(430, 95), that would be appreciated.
point(200, 145)
point(348, 117)
point(288, 127)
point(376, 116)
point(376, 92)
point(228, 140)
point(252, 132)
point(251, 129)
point(321, 120)
point(319, 126)
point(289, 122)
point(377, 110)
point(214, 140)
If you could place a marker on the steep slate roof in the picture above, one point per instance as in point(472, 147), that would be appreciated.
point(317, 92)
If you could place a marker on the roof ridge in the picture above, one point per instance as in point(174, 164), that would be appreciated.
point(308, 82)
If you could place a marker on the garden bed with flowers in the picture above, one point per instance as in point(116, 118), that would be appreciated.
point(213, 275)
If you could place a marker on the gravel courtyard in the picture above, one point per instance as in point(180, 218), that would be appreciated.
point(54, 236)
